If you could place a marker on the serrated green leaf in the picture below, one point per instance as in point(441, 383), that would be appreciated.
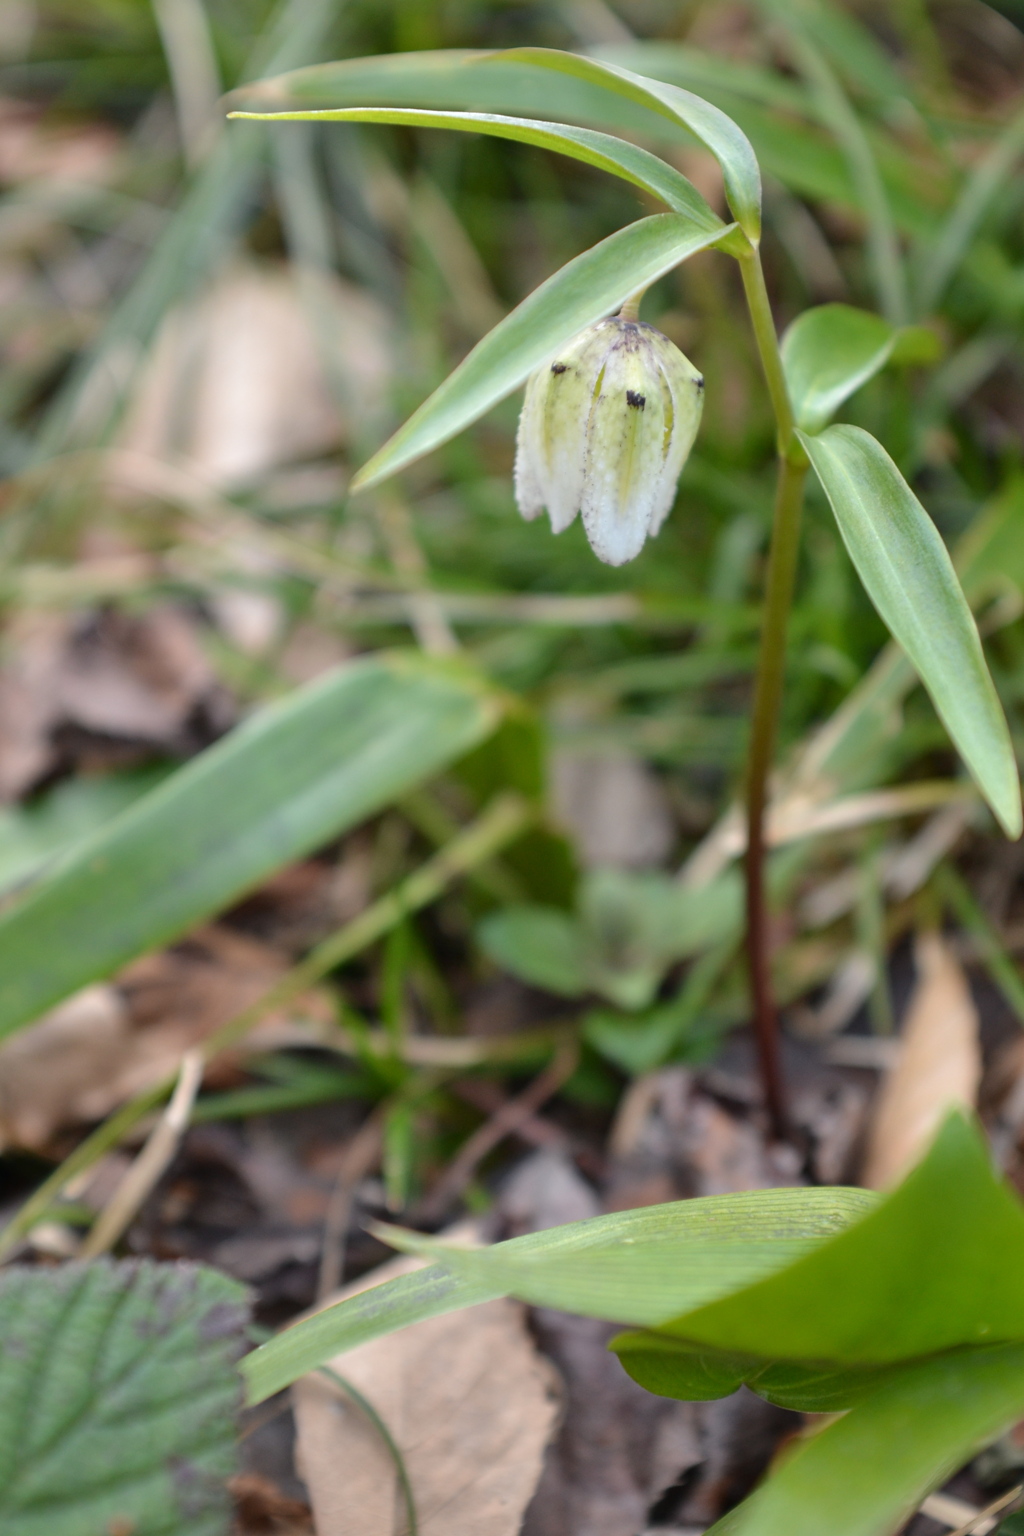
point(711, 126)
point(909, 577)
point(643, 1261)
point(580, 293)
point(601, 150)
point(118, 1394)
point(865, 1474)
point(829, 352)
point(294, 775)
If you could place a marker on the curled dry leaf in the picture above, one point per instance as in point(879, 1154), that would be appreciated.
point(938, 1066)
point(470, 1404)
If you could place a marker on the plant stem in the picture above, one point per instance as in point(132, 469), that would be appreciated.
point(767, 697)
point(782, 560)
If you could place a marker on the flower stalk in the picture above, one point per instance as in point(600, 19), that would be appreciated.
point(781, 577)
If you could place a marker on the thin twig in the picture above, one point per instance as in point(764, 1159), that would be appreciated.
point(502, 1123)
point(981, 1522)
point(151, 1163)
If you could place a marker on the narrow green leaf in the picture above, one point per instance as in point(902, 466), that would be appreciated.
point(726, 1237)
point(827, 354)
point(947, 249)
point(601, 150)
point(582, 292)
point(645, 1266)
point(913, 1278)
point(293, 776)
point(715, 130)
point(118, 1395)
point(836, 113)
point(909, 577)
point(600, 93)
point(367, 1315)
point(866, 1473)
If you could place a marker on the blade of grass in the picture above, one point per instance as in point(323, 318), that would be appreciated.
point(997, 962)
point(836, 113)
point(948, 249)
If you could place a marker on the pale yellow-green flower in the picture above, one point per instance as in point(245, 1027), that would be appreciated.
point(605, 430)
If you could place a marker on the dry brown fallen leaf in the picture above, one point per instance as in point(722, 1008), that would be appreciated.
point(84, 1058)
point(938, 1065)
point(469, 1402)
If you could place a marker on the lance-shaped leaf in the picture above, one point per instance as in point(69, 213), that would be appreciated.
point(710, 125)
point(866, 1473)
point(909, 577)
point(827, 354)
point(601, 150)
point(292, 776)
point(583, 291)
point(634, 1266)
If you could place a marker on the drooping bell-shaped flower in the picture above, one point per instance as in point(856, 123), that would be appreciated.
point(605, 431)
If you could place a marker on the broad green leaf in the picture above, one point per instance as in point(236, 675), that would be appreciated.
point(909, 577)
point(914, 1277)
point(1014, 1526)
point(292, 776)
point(597, 149)
point(118, 1394)
point(717, 132)
point(541, 945)
point(827, 354)
point(582, 292)
point(672, 1368)
point(643, 1266)
point(638, 1263)
point(866, 1473)
point(32, 835)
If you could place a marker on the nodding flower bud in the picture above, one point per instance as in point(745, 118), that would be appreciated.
point(605, 431)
